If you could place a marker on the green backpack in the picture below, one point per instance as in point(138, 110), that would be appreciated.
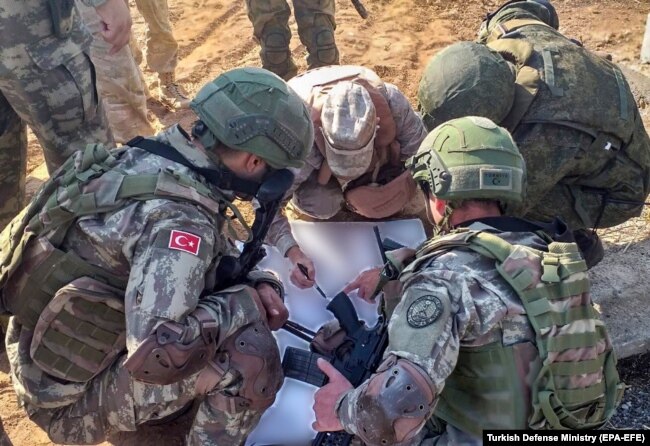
point(573, 383)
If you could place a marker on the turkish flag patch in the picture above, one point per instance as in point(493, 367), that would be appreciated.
point(184, 241)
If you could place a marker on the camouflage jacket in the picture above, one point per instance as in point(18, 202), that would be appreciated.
point(410, 133)
point(581, 135)
point(477, 307)
point(169, 273)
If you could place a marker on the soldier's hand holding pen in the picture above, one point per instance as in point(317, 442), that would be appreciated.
point(298, 276)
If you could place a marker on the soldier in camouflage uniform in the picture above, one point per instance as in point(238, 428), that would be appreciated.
point(365, 130)
point(47, 82)
point(571, 112)
point(162, 51)
point(131, 325)
point(119, 81)
point(316, 25)
point(465, 350)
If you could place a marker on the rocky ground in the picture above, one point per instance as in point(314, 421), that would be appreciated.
point(634, 412)
point(396, 41)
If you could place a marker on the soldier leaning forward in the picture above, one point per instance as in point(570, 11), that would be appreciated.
point(571, 112)
point(494, 329)
point(117, 320)
point(364, 131)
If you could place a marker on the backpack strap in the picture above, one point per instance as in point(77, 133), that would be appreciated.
point(223, 179)
point(509, 27)
point(527, 82)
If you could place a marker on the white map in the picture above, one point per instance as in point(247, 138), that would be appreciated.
point(340, 251)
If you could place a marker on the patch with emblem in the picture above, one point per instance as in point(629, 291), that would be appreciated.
point(424, 311)
point(184, 241)
point(496, 179)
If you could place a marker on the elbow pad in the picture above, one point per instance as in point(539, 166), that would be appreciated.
point(163, 358)
point(395, 404)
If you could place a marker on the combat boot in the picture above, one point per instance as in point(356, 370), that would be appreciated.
point(172, 93)
point(275, 52)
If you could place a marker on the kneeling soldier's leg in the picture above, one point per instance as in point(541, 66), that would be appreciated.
point(245, 378)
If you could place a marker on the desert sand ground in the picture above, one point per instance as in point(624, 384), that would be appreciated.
point(396, 41)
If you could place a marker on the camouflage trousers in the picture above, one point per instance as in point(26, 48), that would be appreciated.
point(115, 402)
point(55, 95)
point(119, 81)
point(312, 201)
point(162, 47)
point(316, 25)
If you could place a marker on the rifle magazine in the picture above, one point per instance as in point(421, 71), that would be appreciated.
point(301, 365)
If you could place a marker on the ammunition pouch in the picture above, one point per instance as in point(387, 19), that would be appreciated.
point(62, 13)
point(163, 358)
point(81, 331)
point(379, 200)
point(43, 271)
point(251, 355)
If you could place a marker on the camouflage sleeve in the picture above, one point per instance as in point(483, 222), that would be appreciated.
point(425, 329)
point(410, 128)
point(168, 267)
point(279, 234)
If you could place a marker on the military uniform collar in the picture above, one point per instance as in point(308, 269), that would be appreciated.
point(178, 138)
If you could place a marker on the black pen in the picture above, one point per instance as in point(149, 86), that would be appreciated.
point(303, 269)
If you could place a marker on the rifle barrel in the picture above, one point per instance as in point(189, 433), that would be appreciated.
point(299, 331)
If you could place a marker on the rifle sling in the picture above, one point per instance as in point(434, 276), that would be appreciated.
point(223, 179)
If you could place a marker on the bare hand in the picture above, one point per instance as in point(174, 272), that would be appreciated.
point(297, 277)
point(365, 284)
point(116, 23)
point(276, 312)
point(326, 397)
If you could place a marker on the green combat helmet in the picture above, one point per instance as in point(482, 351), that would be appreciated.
point(470, 158)
point(254, 110)
point(466, 78)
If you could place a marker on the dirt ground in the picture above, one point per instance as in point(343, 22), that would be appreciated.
point(396, 41)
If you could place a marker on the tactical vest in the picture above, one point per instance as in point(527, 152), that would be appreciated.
point(549, 67)
point(392, 187)
point(76, 309)
point(567, 379)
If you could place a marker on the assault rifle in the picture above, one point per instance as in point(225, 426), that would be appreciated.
point(233, 270)
point(357, 357)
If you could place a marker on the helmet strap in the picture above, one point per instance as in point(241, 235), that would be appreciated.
point(444, 227)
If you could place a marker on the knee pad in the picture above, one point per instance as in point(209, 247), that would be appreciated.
point(252, 355)
point(275, 47)
point(321, 43)
point(395, 404)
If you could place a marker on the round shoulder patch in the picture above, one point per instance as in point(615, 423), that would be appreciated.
point(424, 311)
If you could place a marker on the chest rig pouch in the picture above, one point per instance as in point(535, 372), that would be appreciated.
point(76, 308)
point(570, 372)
